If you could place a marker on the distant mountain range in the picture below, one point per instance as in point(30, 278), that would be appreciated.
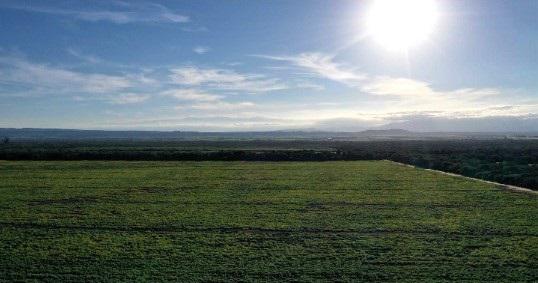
point(73, 134)
point(429, 123)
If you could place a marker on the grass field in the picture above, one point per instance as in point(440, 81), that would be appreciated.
point(190, 221)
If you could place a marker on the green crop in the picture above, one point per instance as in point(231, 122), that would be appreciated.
point(259, 221)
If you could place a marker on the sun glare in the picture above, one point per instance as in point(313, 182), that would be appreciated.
point(399, 25)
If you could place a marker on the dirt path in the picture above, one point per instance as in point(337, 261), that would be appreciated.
point(503, 186)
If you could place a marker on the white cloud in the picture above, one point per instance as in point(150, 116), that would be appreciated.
point(222, 106)
point(416, 95)
point(46, 79)
point(473, 94)
point(196, 76)
point(121, 98)
point(204, 123)
point(310, 85)
point(393, 93)
point(218, 92)
point(128, 98)
point(397, 86)
point(233, 64)
point(203, 101)
point(224, 80)
point(191, 95)
point(84, 57)
point(321, 65)
point(201, 49)
point(117, 12)
point(415, 88)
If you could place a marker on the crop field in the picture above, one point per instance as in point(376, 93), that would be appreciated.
point(266, 221)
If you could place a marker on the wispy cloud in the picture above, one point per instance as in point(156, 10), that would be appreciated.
point(202, 101)
point(392, 92)
point(224, 80)
point(321, 65)
point(26, 76)
point(410, 87)
point(416, 95)
point(117, 12)
point(222, 92)
point(198, 90)
point(201, 49)
point(84, 57)
point(128, 98)
point(222, 106)
point(309, 85)
point(191, 95)
point(396, 86)
point(206, 123)
point(114, 98)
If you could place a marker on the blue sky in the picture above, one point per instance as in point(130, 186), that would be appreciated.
point(264, 65)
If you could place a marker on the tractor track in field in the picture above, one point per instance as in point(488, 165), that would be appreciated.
point(305, 230)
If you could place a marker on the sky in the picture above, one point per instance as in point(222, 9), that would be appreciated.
point(265, 65)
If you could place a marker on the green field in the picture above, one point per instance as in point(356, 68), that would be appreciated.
point(220, 221)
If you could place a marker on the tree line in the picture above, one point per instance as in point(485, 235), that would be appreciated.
point(506, 161)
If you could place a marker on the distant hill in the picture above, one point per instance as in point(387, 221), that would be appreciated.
point(395, 132)
point(73, 134)
point(483, 124)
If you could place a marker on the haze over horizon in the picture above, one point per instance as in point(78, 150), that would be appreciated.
point(272, 65)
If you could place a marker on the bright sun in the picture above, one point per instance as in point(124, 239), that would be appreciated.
point(399, 25)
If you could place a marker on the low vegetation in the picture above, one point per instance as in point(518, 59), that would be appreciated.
point(223, 221)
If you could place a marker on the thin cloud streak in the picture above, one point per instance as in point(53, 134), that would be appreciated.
point(201, 50)
point(203, 91)
point(321, 65)
point(128, 98)
point(223, 79)
point(48, 79)
point(392, 93)
point(222, 106)
point(91, 59)
point(122, 13)
point(191, 95)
